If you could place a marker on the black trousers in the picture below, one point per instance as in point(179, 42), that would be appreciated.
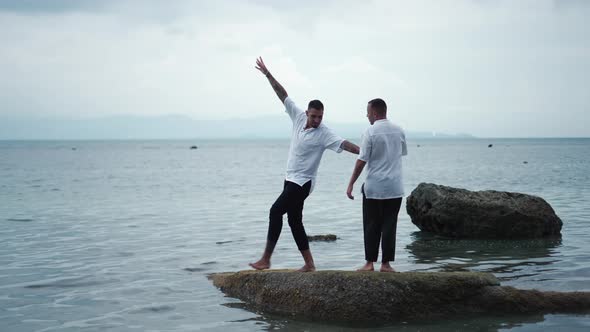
point(290, 202)
point(380, 223)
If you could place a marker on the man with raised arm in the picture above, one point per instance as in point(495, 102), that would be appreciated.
point(382, 148)
point(309, 139)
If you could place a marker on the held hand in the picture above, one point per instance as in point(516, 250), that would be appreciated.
point(261, 66)
point(349, 192)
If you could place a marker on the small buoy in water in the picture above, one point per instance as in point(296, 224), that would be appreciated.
point(490, 145)
point(73, 149)
point(194, 147)
point(525, 162)
point(418, 145)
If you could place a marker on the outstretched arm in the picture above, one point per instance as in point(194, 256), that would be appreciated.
point(350, 147)
point(358, 169)
point(279, 90)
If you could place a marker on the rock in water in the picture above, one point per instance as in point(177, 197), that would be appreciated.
point(326, 238)
point(370, 296)
point(462, 213)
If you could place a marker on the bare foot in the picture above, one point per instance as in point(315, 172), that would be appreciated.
point(385, 267)
point(260, 265)
point(367, 267)
point(307, 268)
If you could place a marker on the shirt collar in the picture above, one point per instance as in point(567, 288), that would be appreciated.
point(312, 128)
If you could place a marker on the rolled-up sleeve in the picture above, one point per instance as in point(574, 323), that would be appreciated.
point(292, 109)
point(333, 141)
point(365, 148)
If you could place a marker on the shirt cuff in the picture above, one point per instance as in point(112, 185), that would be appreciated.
point(340, 149)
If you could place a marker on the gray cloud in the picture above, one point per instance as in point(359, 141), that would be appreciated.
point(491, 68)
point(51, 6)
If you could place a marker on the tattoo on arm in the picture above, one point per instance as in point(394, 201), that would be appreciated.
point(279, 90)
point(350, 147)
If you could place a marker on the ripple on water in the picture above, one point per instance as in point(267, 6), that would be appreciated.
point(153, 309)
point(66, 283)
point(20, 219)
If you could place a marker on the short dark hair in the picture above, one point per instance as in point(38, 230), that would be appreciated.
point(379, 106)
point(316, 104)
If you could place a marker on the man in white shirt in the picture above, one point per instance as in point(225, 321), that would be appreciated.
point(382, 148)
point(309, 139)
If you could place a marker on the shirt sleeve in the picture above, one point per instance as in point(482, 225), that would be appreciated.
point(333, 141)
point(404, 144)
point(365, 148)
point(292, 109)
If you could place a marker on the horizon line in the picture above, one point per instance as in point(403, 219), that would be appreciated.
point(274, 138)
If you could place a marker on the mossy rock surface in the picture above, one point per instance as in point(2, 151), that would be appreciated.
point(364, 296)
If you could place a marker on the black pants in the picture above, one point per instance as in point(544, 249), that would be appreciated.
point(290, 202)
point(380, 223)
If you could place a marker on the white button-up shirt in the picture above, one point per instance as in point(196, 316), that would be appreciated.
point(307, 146)
point(382, 148)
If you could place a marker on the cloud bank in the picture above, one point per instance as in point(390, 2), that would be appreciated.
point(490, 68)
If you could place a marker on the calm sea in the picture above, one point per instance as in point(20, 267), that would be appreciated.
point(120, 235)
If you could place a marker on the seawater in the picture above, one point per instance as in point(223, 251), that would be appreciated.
point(120, 235)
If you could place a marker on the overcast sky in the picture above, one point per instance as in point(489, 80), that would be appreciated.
point(489, 68)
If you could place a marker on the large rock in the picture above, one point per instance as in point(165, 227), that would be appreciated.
point(370, 296)
point(481, 214)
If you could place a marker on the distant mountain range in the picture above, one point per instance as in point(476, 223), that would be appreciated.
point(169, 127)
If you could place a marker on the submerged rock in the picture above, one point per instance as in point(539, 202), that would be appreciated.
point(369, 296)
point(481, 214)
point(327, 237)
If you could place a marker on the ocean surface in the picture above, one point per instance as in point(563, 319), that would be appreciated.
point(121, 235)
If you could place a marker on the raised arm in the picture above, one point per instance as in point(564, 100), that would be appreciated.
point(279, 90)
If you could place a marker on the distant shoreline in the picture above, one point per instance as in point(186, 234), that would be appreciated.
point(205, 139)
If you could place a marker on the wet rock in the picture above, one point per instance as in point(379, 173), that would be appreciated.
point(327, 237)
point(371, 296)
point(462, 213)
